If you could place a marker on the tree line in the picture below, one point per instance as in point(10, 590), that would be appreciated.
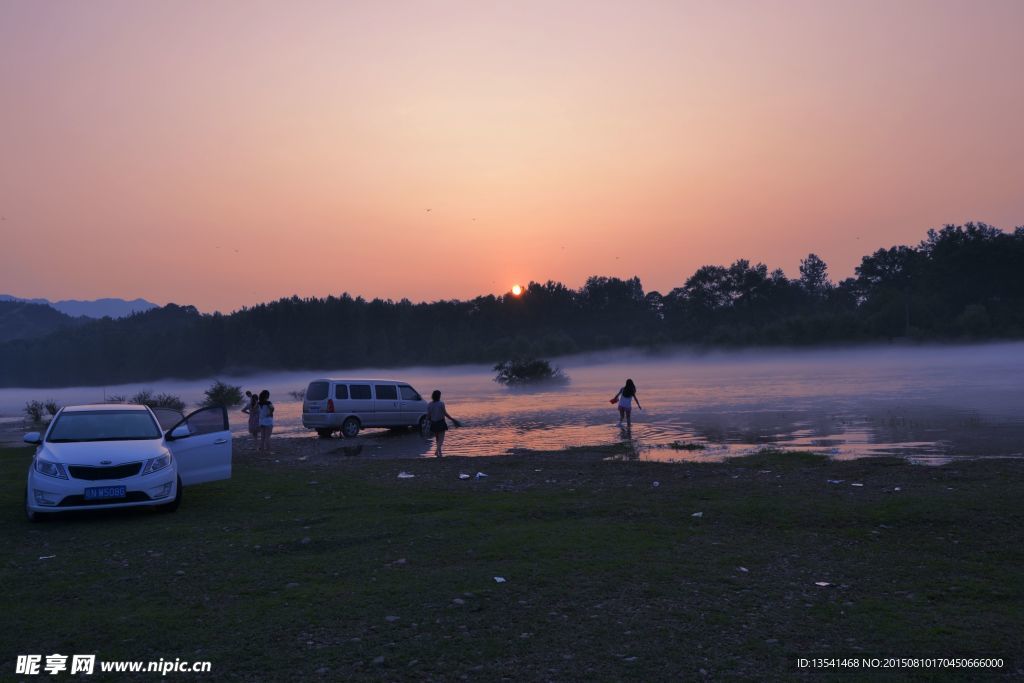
point(960, 282)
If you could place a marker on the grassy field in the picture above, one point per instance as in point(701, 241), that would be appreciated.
point(298, 571)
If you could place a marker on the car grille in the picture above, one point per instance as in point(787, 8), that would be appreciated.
point(130, 497)
point(98, 473)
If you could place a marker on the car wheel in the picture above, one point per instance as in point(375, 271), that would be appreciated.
point(174, 504)
point(350, 427)
point(325, 433)
point(33, 516)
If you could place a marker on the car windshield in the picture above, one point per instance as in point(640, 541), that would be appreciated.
point(104, 425)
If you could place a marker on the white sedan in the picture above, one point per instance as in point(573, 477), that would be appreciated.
point(116, 455)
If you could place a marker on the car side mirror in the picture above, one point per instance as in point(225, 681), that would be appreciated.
point(179, 432)
point(33, 438)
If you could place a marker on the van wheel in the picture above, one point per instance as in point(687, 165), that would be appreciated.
point(350, 427)
point(325, 433)
point(174, 504)
point(33, 516)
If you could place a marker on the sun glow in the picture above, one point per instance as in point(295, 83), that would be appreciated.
point(516, 290)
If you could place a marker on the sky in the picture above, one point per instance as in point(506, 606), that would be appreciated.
point(222, 153)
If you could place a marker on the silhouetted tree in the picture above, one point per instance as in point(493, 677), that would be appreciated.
point(814, 276)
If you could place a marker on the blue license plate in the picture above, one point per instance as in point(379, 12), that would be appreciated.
point(98, 492)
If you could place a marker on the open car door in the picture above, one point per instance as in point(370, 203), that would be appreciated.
point(167, 417)
point(201, 445)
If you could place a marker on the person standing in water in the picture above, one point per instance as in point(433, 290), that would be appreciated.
point(625, 397)
point(436, 413)
point(252, 409)
point(266, 413)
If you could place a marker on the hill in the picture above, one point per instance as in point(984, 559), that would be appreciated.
point(23, 320)
point(94, 308)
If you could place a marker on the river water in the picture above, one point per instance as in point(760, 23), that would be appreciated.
point(928, 404)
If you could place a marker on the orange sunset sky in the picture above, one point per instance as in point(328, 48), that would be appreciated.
point(226, 153)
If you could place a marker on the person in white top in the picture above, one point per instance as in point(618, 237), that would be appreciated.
point(436, 413)
point(625, 397)
point(266, 409)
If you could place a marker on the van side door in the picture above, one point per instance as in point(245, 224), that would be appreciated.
point(413, 405)
point(361, 403)
point(387, 409)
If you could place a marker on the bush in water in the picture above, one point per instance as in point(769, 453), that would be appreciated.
point(528, 371)
point(221, 394)
point(147, 398)
point(34, 411)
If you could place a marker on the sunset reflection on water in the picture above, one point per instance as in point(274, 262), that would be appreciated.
point(928, 404)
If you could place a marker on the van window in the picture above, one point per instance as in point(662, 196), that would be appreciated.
point(386, 392)
point(317, 391)
point(359, 391)
point(341, 391)
point(409, 394)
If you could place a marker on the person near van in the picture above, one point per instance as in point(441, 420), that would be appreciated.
point(625, 397)
point(252, 409)
point(436, 413)
point(266, 417)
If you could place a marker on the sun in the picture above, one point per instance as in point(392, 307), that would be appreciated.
point(517, 290)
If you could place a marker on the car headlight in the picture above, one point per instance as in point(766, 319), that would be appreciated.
point(156, 464)
point(50, 469)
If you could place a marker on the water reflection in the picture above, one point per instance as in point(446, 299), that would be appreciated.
point(925, 404)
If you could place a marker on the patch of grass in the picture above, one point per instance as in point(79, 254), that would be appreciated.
point(599, 450)
point(781, 459)
point(290, 571)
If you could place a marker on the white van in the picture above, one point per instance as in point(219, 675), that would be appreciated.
point(348, 405)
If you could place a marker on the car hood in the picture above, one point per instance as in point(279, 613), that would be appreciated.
point(95, 452)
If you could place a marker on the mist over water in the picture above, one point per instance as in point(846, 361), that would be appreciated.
point(929, 404)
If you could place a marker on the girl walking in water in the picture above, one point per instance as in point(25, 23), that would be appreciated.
point(436, 413)
point(625, 397)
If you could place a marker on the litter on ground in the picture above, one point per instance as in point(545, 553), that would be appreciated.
point(406, 475)
point(697, 514)
point(823, 584)
point(499, 579)
point(463, 475)
point(480, 475)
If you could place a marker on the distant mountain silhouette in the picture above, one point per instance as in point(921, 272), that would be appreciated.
point(26, 320)
point(96, 308)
